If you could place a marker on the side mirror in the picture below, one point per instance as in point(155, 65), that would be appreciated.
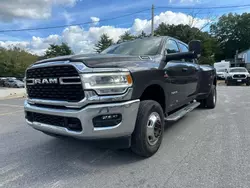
point(177, 56)
point(195, 46)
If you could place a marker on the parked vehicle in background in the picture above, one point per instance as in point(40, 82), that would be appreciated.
point(14, 83)
point(221, 73)
point(126, 92)
point(2, 82)
point(221, 68)
point(237, 75)
point(8, 82)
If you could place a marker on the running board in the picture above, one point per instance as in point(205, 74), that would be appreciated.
point(182, 112)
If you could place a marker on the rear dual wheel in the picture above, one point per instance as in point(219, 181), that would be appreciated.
point(210, 101)
point(148, 133)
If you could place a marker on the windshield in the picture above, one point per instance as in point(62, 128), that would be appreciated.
point(238, 70)
point(148, 46)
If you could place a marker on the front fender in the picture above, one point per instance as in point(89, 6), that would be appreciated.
point(144, 79)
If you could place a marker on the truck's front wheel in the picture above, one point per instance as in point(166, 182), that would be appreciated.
point(148, 133)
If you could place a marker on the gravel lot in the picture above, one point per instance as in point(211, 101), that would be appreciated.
point(207, 148)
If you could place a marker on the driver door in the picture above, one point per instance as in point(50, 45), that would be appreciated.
point(174, 74)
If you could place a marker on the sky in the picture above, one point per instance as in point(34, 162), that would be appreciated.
point(22, 14)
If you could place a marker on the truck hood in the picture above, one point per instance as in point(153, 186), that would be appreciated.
point(109, 60)
point(233, 73)
point(220, 72)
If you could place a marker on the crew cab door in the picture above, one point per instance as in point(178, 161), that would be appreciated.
point(174, 73)
point(191, 74)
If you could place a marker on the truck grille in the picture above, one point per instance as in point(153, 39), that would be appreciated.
point(70, 123)
point(53, 71)
point(54, 91)
point(236, 76)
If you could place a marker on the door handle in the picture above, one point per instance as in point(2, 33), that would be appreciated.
point(184, 69)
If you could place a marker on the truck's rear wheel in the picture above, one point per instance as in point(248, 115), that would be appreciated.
point(210, 101)
point(148, 133)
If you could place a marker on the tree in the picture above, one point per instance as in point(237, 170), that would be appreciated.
point(182, 32)
point(142, 35)
point(232, 33)
point(126, 37)
point(14, 61)
point(58, 50)
point(103, 43)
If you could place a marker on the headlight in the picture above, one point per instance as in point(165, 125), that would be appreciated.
point(107, 83)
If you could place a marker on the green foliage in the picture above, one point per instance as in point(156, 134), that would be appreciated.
point(103, 43)
point(232, 33)
point(126, 37)
point(14, 61)
point(58, 50)
point(142, 35)
point(206, 60)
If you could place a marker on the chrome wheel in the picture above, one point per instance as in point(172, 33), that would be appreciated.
point(154, 130)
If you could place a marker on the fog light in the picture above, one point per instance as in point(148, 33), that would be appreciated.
point(74, 124)
point(107, 120)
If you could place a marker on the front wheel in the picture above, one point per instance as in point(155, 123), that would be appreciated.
point(149, 128)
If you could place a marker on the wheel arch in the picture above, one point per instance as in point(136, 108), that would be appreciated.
point(155, 92)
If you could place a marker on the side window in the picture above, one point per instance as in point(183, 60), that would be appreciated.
point(171, 47)
point(183, 47)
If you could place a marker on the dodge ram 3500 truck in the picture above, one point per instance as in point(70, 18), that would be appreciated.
point(126, 92)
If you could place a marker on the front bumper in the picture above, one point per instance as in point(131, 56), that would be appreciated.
point(220, 76)
point(128, 110)
point(238, 81)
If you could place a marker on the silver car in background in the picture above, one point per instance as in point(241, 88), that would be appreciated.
point(14, 83)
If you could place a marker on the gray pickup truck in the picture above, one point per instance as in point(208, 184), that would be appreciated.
point(127, 92)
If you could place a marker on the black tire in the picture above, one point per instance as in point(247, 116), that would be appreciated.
point(247, 84)
point(210, 101)
point(141, 144)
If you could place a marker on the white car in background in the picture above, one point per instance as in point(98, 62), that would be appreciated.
point(237, 75)
point(221, 73)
